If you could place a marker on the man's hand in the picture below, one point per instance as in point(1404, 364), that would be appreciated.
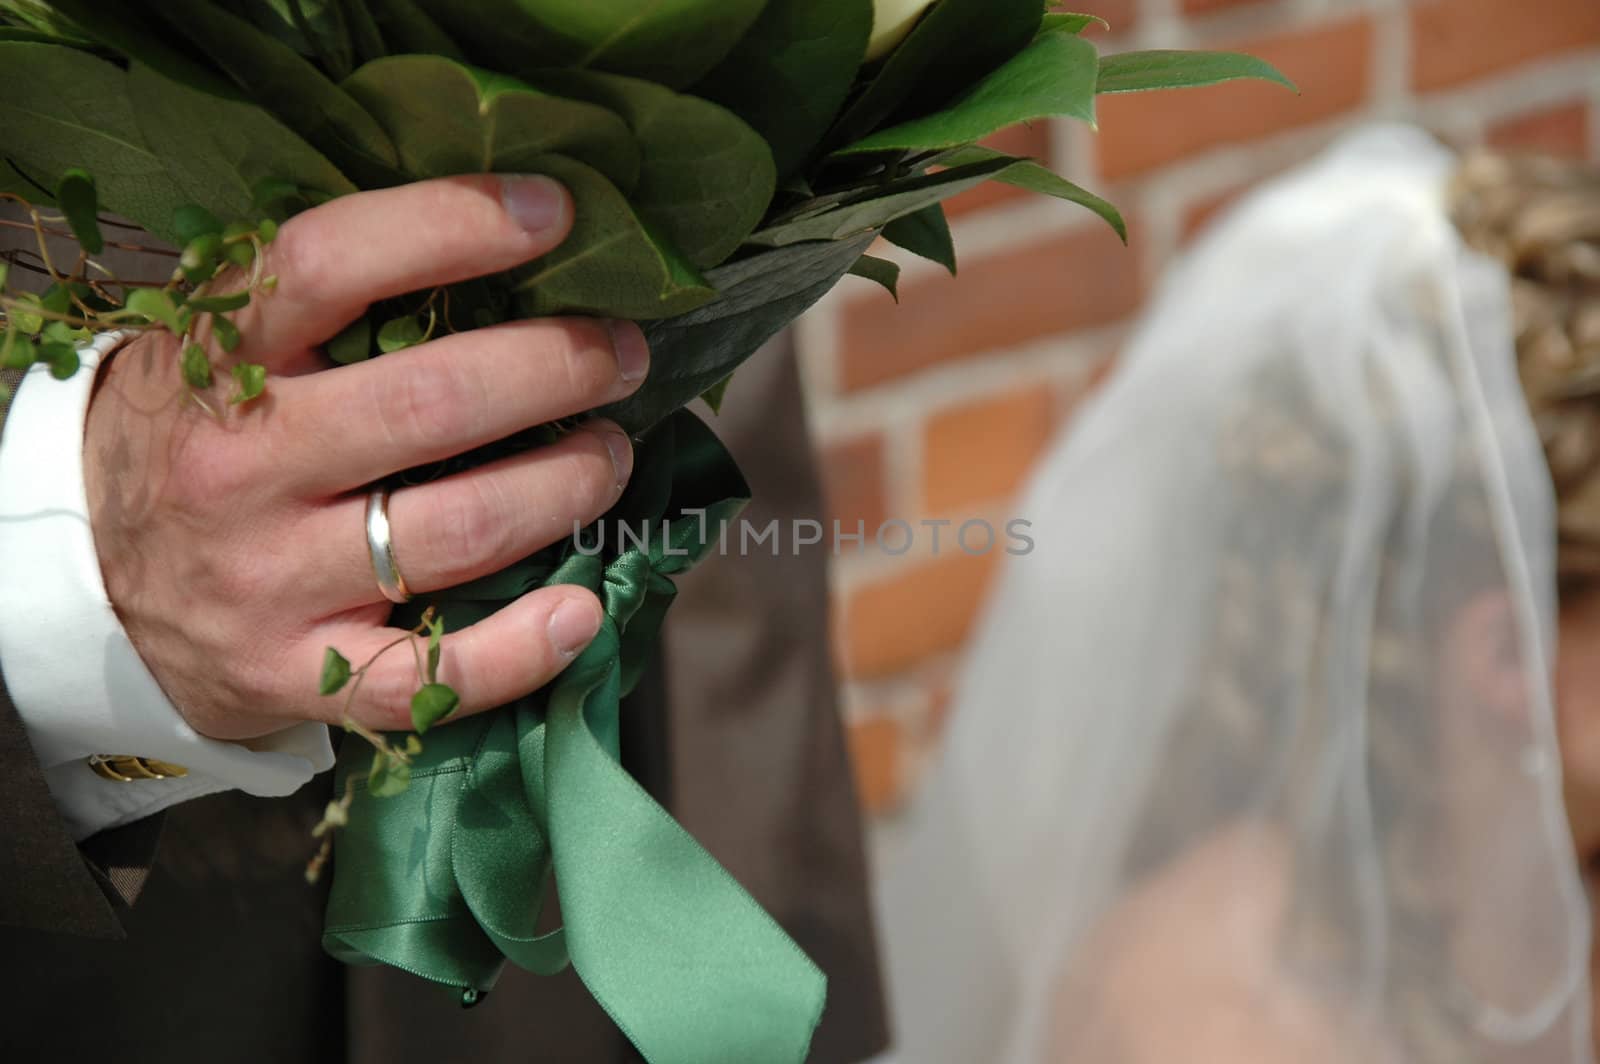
point(235, 550)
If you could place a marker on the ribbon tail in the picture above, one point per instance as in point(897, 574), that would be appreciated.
point(683, 959)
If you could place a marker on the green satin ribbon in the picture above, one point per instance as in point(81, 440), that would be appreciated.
point(447, 879)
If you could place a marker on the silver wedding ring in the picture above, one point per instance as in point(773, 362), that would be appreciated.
point(381, 547)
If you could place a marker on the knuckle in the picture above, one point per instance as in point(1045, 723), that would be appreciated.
point(305, 253)
point(386, 697)
point(585, 485)
point(588, 360)
point(431, 400)
point(251, 579)
point(207, 474)
point(474, 525)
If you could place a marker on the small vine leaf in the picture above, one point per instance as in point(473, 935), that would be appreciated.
point(250, 380)
point(62, 359)
point(17, 351)
point(432, 703)
point(201, 257)
point(196, 367)
point(80, 203)
point(397, 334)
point(192, 221)
point(23, 318)
point(57, 299)
point(241, 254)
point(335, 671)
point(413, 745)
point(435, 647)
point(5, 268)
point(59, 332)
point(225, 332)
point(220, 304)
point(389, 776)
point(353, 344)
point(154, 305)
point(267, 230)
point(274, 195)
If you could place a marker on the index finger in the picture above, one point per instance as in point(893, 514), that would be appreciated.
point(336, 259)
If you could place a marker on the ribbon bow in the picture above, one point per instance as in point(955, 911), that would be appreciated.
point(447, 879)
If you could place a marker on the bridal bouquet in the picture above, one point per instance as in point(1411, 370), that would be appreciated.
point(730, 161)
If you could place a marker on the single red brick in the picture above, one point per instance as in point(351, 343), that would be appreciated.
point(875, 746)
point(1454, 41)
point(1330, 64)
point(984, 450)
point(920, 613)
point(1084, 277)
point(1561, 131)
point(1207, 7)
point(853, 480)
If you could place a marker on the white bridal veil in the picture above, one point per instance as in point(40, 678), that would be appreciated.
point(1254, 760)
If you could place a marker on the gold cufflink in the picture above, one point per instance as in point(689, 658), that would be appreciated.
point(126, 768)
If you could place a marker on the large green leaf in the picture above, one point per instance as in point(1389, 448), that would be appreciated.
point(22, 33)
point(136, 32)
point(791, 73)
point(705, 178)
point(316, 29)
point(873, 210)
point(1034, 177)
point(955, 44)
point(1070, 22)
point(216, 151)
point(406, 28)
point(61, 108)
point(1055, 75)
point(673, 42)
point(880, 271)
point(1143, 71)
point(18, 181)
point(612, 264)
point(758, 297)
point(291, 87)
point(366, 38)
point(925, 233)
point(444, 117)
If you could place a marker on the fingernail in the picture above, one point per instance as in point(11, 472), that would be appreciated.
point(573, 626)
point(536, 203)
point(633, 354)
point(621, 449)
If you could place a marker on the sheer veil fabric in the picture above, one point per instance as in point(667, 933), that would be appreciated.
point(1231, 777)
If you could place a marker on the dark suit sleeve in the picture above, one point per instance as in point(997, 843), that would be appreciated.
point(46, 881)
point(760, 775)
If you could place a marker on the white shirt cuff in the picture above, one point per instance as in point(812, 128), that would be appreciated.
point(76, 680)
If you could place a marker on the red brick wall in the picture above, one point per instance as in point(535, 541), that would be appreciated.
point(938, 408)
